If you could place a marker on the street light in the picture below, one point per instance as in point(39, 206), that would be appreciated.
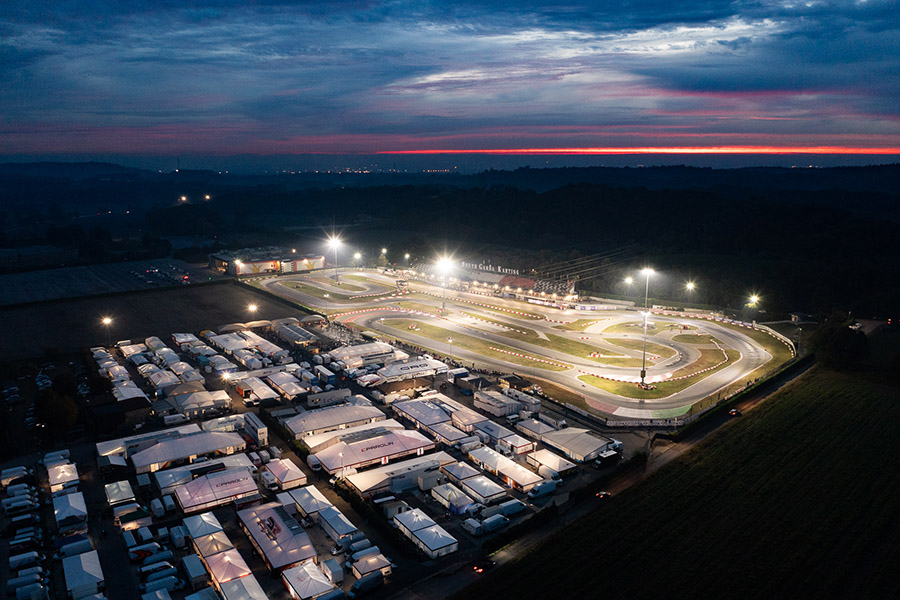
point(252, 308)
point(754, 299)
point(356, 257)
point(108, 321)
point(444, 264)
point(628, 281)
point(334, 243)
point(647, 272)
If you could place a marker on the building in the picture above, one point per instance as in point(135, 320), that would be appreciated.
point(287, 474)
point(306, 581)
point(483, 490)
point(533, 428)
point(363, 355)
point(452, 498)
point(310, 501)
point(332, 418)
point(516, 382)
point(512, 473)
point(375, 447)
point(216, 489)
point(127, 446)
point(317, 443)
point(261, 261)
point(335, 524)
point(399, 477)
point(460, 471)
point(545, 458)
point(578, 444)
point(175, 451)
point(427, 535)
point(516, 444)
point(497, 404)
point(276, 536)
point(167, 480)
point(295, 335)
point(494, 431)
point(411, 369)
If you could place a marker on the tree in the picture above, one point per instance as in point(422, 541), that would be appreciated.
point(837, 346)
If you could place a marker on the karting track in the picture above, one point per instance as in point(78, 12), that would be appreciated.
point(373, 303)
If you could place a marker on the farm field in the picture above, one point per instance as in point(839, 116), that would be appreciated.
point(473, 344)
point(756, 488)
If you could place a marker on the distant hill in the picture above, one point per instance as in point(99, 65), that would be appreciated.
point(67, 170)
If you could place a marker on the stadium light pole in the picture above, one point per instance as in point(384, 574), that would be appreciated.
point(108, 321)
point(628, 281)
point(647, 273)
point(356, 257)
point(444, 264)
point(252, 308)
point(334, 243)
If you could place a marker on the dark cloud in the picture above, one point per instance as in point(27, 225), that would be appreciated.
point(366, 76)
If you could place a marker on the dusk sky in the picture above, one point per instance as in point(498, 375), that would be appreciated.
point(114, 79)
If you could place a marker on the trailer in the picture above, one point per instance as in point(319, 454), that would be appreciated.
point(325, 376)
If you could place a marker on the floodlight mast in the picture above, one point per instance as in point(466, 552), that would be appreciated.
point(647, 272)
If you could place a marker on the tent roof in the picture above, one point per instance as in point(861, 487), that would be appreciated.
point(414, 519)
point(393, 442)
point(307, 581)
point(215, 486)
point(213, 543)
point(69, 506)
point(245, 588)
point(310, 499)
point(227, 565)
point(483, 486)
point(371, 563)
point(117, 492)
point(461, 470)
point(203, 524)
point(434, 537)
point(421, 411)
point(82, 569)
point(337, 521)
point(197, 444)
point(63, 473)
point(285, 470)
point(277, 535)
point(452, 494)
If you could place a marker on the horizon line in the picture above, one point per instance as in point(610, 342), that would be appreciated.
point(660, 150)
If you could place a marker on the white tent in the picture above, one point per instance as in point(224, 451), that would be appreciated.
point(226, 566)
point(211, 544)
point(412, 520)
point(460, 471)
point(245, 588)
point(70, 508)
point(371, 563)
point(118, 492)
point(435, 541)
point(392, 444)
point(309, 500)
point(62, 476)
point(277, 536)
point(335, 524)
point(451, 497)
point(483, 490)
point(306, 581)
point(287, 473)
point(183, 448)
point(216, 489)
point(200, 525)
point(83, 574)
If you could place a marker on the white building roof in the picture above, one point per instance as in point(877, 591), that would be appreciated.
point(212, 544)
point(373, 478)
point(452, 495)
point(198, 444)
point(62, 474)
point(82, 570)
point(163, 379)
point(393, 443)
point(575, 441)
point(181, 475)
point(125, 446)
point(124, 390)
point(306, 581)
point(227, 565)
point(421, 411)
point(70, 506)
point(245, 588)
point(309, 499)
point(203, 524)
point(517, 441)
point(483, 487)
point(229, 342)
point(434, 537)
point(336, 521)
point(534, 428)
point(372, 350)
point(285, 471)
point(410, 369)
point(321, 440)
point(461, 470)
point(277, 535)
point(215, 487)
point(413, 520)
point(495, 430)
point(447, 432)
point(119, 491)
point(371, 563)
point(551, 460)
point(331, 417)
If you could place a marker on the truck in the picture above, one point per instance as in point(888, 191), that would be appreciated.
point(542, 489)
point(25, 559)
point(494, 523)
point(366, 583)
point(552, 421)
point(473, 526)
point(175, 419)
point(156, 507)
point(143, 551)
point(548, 473)
point(168, 503)
point(469, 443)
point(79, 547)
point(255, 428)
point(325, 376)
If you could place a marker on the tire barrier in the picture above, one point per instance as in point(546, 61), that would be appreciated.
point(534, 358)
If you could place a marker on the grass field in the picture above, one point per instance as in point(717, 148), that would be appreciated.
point(420, 306)
point(473, 344)
point(653, 327)
point(342, 283)
point(70, 325)
point(687, 338)
point(524, 330)
point(656, 349)
point(525, 314)
point(708, 358)
point(795, 499)
point(578, 325)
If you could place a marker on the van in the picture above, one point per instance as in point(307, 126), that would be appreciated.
point(313, 462)
point(264, 457)
point(130, 542)
point(175, 419)
point(25, 559)
point(6, 503)
point(162, 573)
point(168, 503)
point(34, 590)
point(36, 569)
point(169, 584)
point(158, 557)
point(24, 544)
point(55, 456)
point(143, 551)
point(548, 473)
point(268, 481)
point(366, 583)
point(545, 488)
point(275, 452)
point(16, 582)
point(144, 535)
point(20, 507)
point(20, 488)
point(178, 537)
point(371, 550)
point(254, 458)
point(357, 546)
point(124, 509)
point(153, 568)
point(156, 507)
point(7, 476)
point(79, 547)
point(19, 522)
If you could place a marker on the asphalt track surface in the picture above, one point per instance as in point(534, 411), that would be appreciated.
point(359, 311)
